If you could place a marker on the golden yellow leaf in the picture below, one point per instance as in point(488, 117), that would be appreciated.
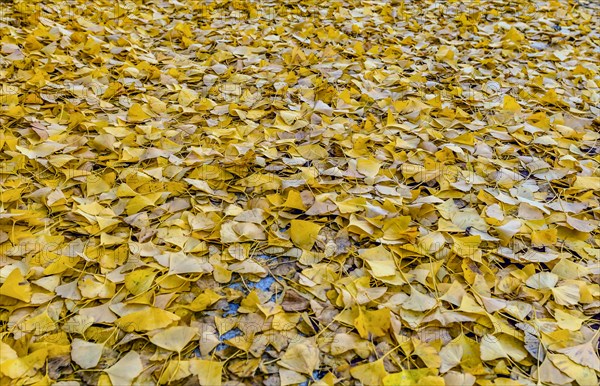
point(372, 373)
point(372, 323)
point(25, 366)
point(174, 338)
point(302, 357)
point(304, 233)
point(136, 113)
point(16, 287)
point(545, 237)
point(208, 372)
point(510, 104)
point(140, 281)
point(148, 319)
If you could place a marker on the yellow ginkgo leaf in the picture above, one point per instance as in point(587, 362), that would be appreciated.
point(6, 352)
point(510, 104)
point(584, 354)
point(428, 354)
point(209, 373)
point(450, 355)
point(372, 373)
point(187, 97)
point(157, 105)
point(304, 233)
point(583, 375)
point(174, 371)
point(302, 357)
point(25, 366)
point(38, 324)
point(182, 263)
point(502, 346)
point(513, 35)
point(204, 186)
point(455, 378)
point(126, 369)
point(568, 320)
point(372, 323)
point(328, 380)
point(16, 287)
point(137, 114)
point(16, 112)
point(546, 237)
point(466, 246)
point(203, 301)
point(140, 281)
point(395, 228)
point(140, 202)
point(148, 319)
point(174, 338)
point(368, 167)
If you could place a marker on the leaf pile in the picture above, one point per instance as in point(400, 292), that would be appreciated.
point(265, 192)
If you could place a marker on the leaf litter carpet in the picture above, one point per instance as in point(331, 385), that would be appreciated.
point(300, 192)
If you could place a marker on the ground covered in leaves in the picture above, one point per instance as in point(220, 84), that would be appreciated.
point(299, 192)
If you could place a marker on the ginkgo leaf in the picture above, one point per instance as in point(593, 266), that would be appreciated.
point(501, 346)
point(7, 352)
point(568, 320)
point(419, 301)
point(547, 372)
point(209, 373)
point(290, 377)
point(510, 104)
point(584, 354)
point(368, 167)
point(25, 366)
point(140, 202)
point(136, 113)
point(16, 287)
point(454, 378)
point(187, 96)
point(148, 319)
point(542, 280)
point(545, 237)
point(427, 353)
point(583, 375)
point(414, 377)
point(582, 225)
point(304, 233)
point(302, 357)
point(508, 230)
point(86, 354)
point(175, 371)
point(174, 338)
point(566, 294)
point(372, 373)
point(455, 294)
point(372, 323)
point(203, 301)
point(451, 355)
point(140, 281)
point(182, 263)
point(126, 369)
